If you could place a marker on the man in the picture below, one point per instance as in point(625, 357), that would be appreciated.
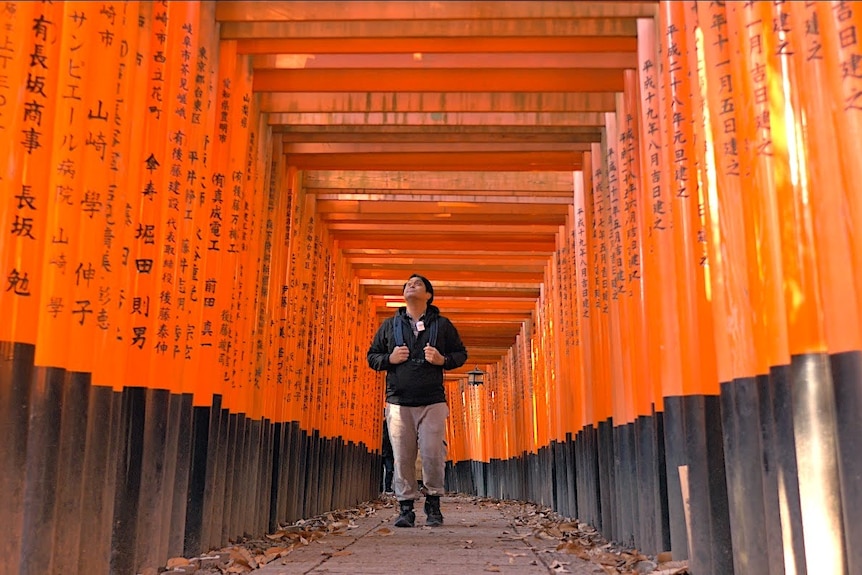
point(414, 347)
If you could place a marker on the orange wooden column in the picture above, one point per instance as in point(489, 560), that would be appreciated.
point(617, 302)
point(587, 472)
point(217, 282)
point(28, 126)
point(203, 195)
point(124, 178)
point(828, 172)
point(222, 236)
point(567, 386)
point(286, 333)
point(293, 398)
point(659, 296)
point(238, 197)
point(258, 212)
point(161, 233)
point(726, 234)
point(680, 113)
point(137, 299)
point(694, 418)
point(91, 411)
point(571, 388)
point(557, 340)
point(66, 307)
point(581, 249)
point(144, 216)
point(728, 267)
point(456, 424)
point(599, 293)
point(620, 196)
point(543, 416)
point(786, 318)
point(62, 264)
point(269, 356)
point(839, 26)
point(633, 242)
point(619, 344)
point(642, 450)
point(603, 343)
point(649, 432)
point(655, 215)
point(170, 299)
point(199, 212)
point(279, 292)
point(306, 317)
point(27, 122)
point(833, 28)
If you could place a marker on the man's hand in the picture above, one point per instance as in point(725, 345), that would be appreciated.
point(433, 356)
point(399, 355)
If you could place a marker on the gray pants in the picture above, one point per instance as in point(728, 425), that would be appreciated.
point(423, 427)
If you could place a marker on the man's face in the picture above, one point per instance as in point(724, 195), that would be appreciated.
point(415, 289)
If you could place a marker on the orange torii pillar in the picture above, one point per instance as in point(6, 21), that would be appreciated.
point(147, 375)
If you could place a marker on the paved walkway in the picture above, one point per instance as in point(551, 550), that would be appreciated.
point(479, 536)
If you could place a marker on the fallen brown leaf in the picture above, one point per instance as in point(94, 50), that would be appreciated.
point(177, 562)
point(242, 556)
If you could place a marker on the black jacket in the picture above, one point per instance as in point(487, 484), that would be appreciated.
point(416, 382)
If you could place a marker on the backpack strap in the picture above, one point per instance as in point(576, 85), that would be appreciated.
point(432, 334)
point(397, 331)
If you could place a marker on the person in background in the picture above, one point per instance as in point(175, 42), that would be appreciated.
point(414, 347)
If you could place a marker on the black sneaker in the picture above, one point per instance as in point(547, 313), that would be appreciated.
point(432, 510)
point(407, 517)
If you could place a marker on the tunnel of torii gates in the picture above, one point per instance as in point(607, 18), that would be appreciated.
point(183, 345)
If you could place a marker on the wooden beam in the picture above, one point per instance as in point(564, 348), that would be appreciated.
point(434, 219)
point(456, 274)
point(316, 102)
point(350, 240)
point(422, 61)
point(364, 270)
point(440, 80)
point(230, 11)
point(305, 129)
point(458, 207)
point(344, 29)
point(466, 231)
point(434, 135)
point(503, 161)
point(547, 202)
point(428, 45)
point(450, 259)
point(419, 253)
point(427, 148)
point(425, 179)
point(437, 119)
